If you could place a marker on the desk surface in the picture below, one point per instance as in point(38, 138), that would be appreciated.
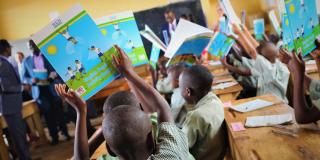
point(229, 90)
point(261, 143)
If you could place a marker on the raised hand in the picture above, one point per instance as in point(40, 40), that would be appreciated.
point(285, 56)
point(122, 63)
point(71, 97)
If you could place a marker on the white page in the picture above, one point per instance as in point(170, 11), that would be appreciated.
point(228, 9)
point(224, 85)
point(153, 38)
point(260, 121)
point(215, 63)
point(184, 31)
point(274, 21)
point(252, 105)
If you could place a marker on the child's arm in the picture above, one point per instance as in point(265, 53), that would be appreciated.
point(303, 113)
point(245, 42)
point(235, 69)
point(154, 75)
point(81, 149)
point(156, 102)
point(316, 56)
point(95, 140)
point(253, 41)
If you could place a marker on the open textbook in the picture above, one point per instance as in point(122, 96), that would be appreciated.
point(122, 29)
point(219, 45)
point(270, 120)
point(78, 51)
point(303, 24)
point(287, 37)
point(153, 38)
point(258, 28)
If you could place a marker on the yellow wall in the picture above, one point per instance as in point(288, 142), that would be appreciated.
point(21, 18)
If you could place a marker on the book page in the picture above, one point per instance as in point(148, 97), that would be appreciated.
point(261, 121)
point(153, 38)
point(252, 105)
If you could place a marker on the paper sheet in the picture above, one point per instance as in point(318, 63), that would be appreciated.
point(261, 121)
point(224, 85)
point(252, 105)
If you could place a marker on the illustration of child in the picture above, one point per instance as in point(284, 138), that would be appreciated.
point(131, 44)
point(71, 74)
point(297, 34)
point(302, 30)
point(116, 27)
point(66, 35)
point(311, 23)
point(98, 51)
point(80, 68)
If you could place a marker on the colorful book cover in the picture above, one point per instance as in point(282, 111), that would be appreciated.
point(189, 38)
point(77, 50)
point(41, 74)
point(187, 59)
point(304, 24)
point(228, 9)
point(287, 37)
point(258, 27)
point(122, 29)
point(220, 45)
point(154, 56)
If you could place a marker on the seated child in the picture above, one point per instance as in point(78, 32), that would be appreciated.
point(127, 129)
point(302, 82)
point(205, 115)
point(162, 81)
point(272, 75)
point(177, 101)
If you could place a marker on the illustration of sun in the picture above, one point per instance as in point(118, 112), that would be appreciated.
point(104, 32)
point(287, 22)
point(52, 49)
point(292, 8)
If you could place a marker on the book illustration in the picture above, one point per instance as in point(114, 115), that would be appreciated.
point(303, 24)
point(259, 28)
point(219, 45)
point(122, 29)
point(82, 59)
point(154, 56)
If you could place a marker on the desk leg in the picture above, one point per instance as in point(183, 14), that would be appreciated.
point(39, 127)
point(30, 124)
point(4, 153)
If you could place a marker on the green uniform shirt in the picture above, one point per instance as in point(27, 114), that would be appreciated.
point(271, 78)
point(203, 127)
point(315, 93)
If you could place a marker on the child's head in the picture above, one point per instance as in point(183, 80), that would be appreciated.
point(126, 128)
point(174, 73)
point(120, 98)
point(128, 132)
point(268, 50)
point(77, 61)
point(162, 66)
point(69, 68)
point(195, 82)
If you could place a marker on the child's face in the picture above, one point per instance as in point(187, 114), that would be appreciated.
point(173, 79)
point(162, 69)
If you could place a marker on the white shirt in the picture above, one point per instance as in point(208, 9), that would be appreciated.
point(271, 78)
point(172, 27)
point(177, 102)
point(79, 66)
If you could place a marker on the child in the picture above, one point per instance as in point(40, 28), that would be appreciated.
point(163, 83)
point(80, 68)
point(177, 101)
point(301, 83)
point(71, 74)
point(205, 115)
point(128, 129)
point(98, 51)
point(67, 36)
point(272, 75)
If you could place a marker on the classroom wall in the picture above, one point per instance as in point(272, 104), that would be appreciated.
point(20, 18)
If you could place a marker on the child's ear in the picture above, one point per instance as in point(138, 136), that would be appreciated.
point(188, 91)
point(110, 151)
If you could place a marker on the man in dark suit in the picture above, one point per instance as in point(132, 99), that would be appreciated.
point(11, 101)
point(169, 28)
point(44, 93)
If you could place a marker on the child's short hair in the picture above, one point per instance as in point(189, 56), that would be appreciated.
point(120, 98)
point(262, 45)
point(199, 78)
point(177, 69)
point(126, 129)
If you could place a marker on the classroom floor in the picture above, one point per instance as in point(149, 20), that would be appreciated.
point(61, 151)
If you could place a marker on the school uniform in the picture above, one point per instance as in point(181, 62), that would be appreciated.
point(271, 78)
point(164, 85)
point(203, 127)
point(314, 90)
point(177, 102)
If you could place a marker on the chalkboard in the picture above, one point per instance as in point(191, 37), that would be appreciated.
point(154, 17)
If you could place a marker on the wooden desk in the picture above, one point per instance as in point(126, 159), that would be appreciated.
point(230, 93)
point(312, 71)
point(30, 114)
point(261, 143)
point(101, 150)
